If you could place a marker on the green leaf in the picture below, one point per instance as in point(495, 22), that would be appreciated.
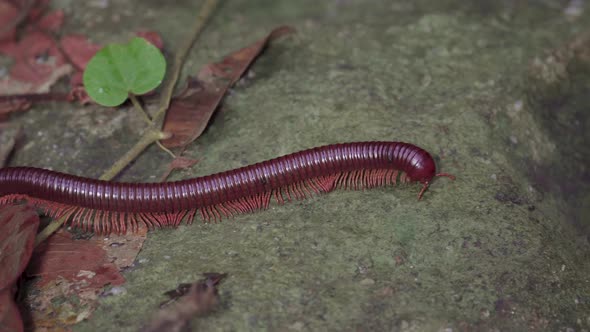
point(120, 69)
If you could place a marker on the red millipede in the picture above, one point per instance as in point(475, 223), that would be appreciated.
point(105, 207)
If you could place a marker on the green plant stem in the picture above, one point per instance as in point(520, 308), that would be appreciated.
point(199, 23)
point(139, 108)
point(149, 137)
point(53, 226)
point(166, 149)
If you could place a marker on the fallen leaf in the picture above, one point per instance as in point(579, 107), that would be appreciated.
point(38, 8)
point(123, 249)
point(152, 37)
point(175, 294)
point(62, 256)
point(58, 305)
point(178, 163)
point(22, 102)
point(18, 226)
point(79, 50)
point(12, 105)
point(38, 64)
point(14, 13)
point(8, 16)
point(36, 56)
point(51, 21)
point(187, 302)
point(77, 270)
point(190, 112)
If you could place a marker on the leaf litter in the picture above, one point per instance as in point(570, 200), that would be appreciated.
point(18, 227)
point(73, 272)
point(186, 302)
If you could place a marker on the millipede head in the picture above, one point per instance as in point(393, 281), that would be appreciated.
point(425, 184)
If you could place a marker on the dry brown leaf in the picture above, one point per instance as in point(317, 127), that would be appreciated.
point(190, 112)
point(77, 270)
point(18, 226)
point(179, 162)
point(197, 300)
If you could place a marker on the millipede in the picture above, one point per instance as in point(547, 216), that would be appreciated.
point(105, 207)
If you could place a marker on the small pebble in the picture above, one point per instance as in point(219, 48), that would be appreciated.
point(518, 105)
point(297, 326)
point(404, 325)
point(513, 139)
point(101, 4)
point(117, 290)
point(485, 313)
point(574, 9)
point(367, 282)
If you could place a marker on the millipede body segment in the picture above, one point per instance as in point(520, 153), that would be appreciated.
point(106, 207)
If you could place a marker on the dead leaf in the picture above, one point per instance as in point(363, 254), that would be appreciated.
point(58, 305)
point(35, 55)
point(190, 112)
point(192, 300)
point(175, 294)
point(153, 37)
point(178, 163)
point(9, 15)
point(18, 226)
point(98, 260)
point(14, 13)
point(77, 270)
point(123, 249)
point(62, 256)
point(22, 102)
point(52, 21)
point(79, 50)
point(38, 64)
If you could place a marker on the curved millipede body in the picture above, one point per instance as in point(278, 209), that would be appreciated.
point(105, 207)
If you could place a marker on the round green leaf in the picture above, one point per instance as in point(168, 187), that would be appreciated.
point(119, 69)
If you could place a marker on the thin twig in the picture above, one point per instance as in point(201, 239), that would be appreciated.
point(34, 97)
point(139, 108)
point(53, 226)
point(180, 57)
point(146, 140)
point(166, 149)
